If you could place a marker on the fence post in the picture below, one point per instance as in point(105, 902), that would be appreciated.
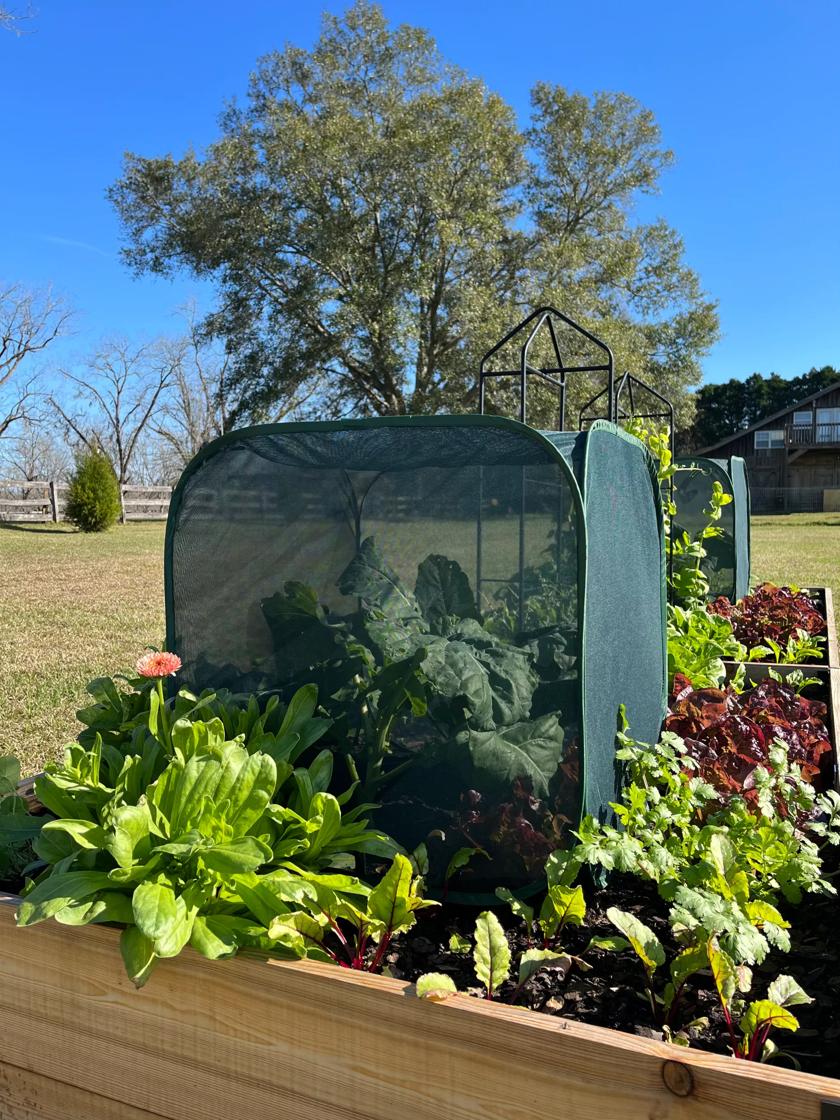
point(54, 499)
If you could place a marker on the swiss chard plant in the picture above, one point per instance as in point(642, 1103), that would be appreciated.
point(493, 960)
point(750, 1024)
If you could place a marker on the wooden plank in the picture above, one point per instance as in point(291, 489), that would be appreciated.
point(25, 1095)
point(306, 1041)
point(833, 652)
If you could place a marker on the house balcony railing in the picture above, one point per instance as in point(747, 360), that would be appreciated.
point(812, 435)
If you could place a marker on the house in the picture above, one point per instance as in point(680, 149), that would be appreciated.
point(793, 456)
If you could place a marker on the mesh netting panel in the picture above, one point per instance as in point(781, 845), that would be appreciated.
point(327, 553)
point(448, 559)
point(692, 495)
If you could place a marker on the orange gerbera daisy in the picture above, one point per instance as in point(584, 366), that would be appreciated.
point(158, 664)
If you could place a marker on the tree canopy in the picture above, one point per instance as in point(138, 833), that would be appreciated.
point(733, 405)
point(374, 218)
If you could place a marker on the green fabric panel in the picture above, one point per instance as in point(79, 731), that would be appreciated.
point(741, 504)
point(624, 642)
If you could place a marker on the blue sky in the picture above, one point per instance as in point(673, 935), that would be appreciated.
point(746, 93)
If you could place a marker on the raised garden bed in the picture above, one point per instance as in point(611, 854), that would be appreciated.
point(276, 1041)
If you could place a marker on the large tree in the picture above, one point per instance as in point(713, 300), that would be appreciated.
point(374, 218)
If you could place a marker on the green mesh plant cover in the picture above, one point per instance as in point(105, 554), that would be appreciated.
point(727, 563)
point(473, 599)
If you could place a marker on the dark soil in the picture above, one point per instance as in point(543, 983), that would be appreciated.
point(613, 993)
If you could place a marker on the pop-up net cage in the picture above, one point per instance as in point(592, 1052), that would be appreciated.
point(508, 581)
point(727, 561)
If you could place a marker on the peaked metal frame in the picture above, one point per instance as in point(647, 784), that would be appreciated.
point(554, 375)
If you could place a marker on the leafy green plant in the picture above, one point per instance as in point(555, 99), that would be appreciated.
point(698, 643)
point(404, 655)
point(491, 953)
point(340, 919)
point(161, 850)
point(93, 496)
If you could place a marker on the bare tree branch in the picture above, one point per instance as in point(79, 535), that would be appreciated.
point(29, 322)
point(116, 398)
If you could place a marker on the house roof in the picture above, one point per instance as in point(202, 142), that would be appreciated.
point(769, 419)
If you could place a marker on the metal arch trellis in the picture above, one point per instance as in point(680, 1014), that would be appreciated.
point(554, 375)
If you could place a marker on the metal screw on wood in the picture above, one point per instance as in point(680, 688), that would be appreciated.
point(678, 1079)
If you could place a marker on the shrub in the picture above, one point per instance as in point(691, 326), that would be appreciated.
point(93, 501)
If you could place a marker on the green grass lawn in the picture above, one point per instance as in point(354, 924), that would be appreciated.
point(74, 607)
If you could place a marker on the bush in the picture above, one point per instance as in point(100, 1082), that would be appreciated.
point(93, 500)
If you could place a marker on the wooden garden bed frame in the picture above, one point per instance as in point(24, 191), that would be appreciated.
point(250, 1039)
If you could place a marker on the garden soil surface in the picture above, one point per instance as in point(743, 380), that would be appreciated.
point(612, 993)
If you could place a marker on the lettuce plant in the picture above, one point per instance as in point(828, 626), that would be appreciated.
point(781, 622)
point(730, 735)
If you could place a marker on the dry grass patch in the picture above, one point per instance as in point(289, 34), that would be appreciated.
point(72, 607)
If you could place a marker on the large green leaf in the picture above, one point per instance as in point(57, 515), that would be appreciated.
point(105, 906)
point(391, 901)
point(764, 1012)
point(562, 906)
point(236, 857)
point(370, 577)
point(156, 910)
point(443, 591)
point(9, 774)
point(138, 954)
point(492, 761)
point(57, 891)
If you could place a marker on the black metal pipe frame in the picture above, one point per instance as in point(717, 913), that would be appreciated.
point(554, 375)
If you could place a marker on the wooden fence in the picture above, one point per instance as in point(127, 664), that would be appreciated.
point(45, 501)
